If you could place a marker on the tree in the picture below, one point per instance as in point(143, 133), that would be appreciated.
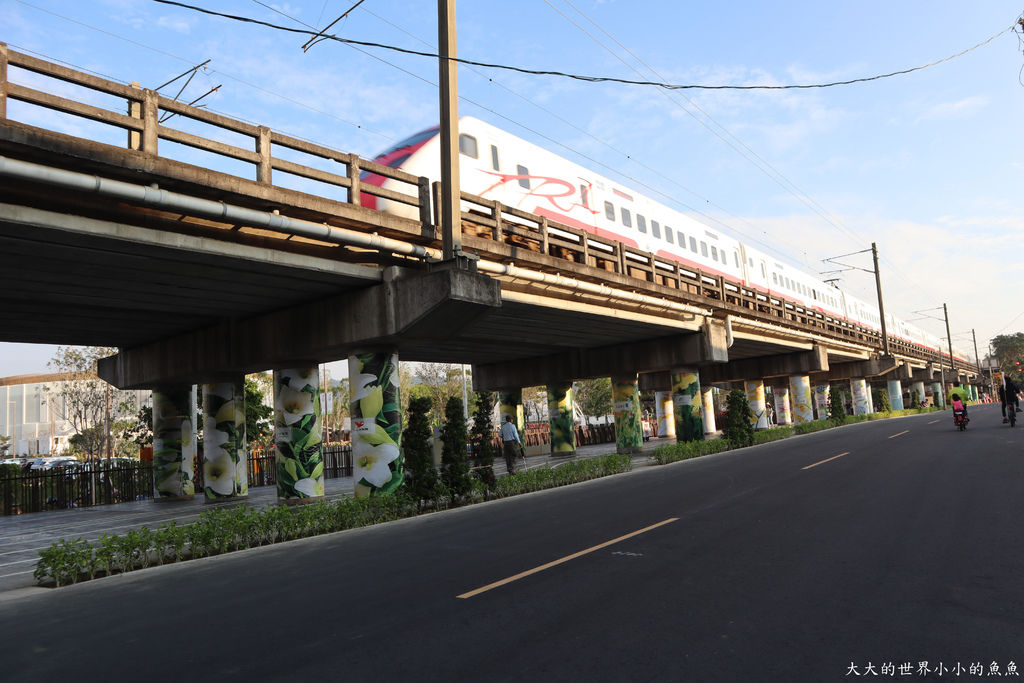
point(880, 398)
point(483, 433)
point(441, 382)
point(421, 477)
point(259, 422)
point(535, 402)
point(1009, 352)
point(82, 398)
point(138, 430)
point(836, 411)
point(454, 463)
point(593, 397)
point(739, 427)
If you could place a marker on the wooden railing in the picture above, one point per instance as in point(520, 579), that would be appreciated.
point(594, 258)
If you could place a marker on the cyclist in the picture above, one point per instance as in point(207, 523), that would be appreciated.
point(1008, 396)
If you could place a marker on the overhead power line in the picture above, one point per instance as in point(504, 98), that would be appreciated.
point(578, 77)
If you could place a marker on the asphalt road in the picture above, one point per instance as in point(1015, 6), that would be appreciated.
point(752, 565)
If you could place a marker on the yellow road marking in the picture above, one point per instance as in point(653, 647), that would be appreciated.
point(822, 462)
point(934, 421)
point(900, 434)
point(549, 565)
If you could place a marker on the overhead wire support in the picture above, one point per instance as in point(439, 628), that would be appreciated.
point(319, 37)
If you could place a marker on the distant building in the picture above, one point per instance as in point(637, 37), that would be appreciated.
point(28, 416)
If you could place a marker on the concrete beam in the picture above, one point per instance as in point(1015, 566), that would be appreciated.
point(866, 369)
point(763, 367)
point(699, 349)
point(409, 307)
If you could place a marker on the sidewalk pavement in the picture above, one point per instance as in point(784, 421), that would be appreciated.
point(22, 537)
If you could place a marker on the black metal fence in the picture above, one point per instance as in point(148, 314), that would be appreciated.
point(90, 484)
point(73, 487)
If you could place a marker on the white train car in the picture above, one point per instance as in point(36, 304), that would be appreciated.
point(497, 165)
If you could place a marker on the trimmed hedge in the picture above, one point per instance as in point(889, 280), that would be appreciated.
point(223, 530)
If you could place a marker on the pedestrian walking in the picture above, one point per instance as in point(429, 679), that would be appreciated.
point(510, 443)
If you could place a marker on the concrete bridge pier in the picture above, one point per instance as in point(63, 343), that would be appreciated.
point(561, 421)
point(755, 399)
point(783, 412)
point(918, 388)
point(707, 399)
point(937, 396)
point(665, 413)
point(511, 403)
point(895, 389)
point(376, 409)
point(800, 399)
point(860, 391)
point(687, 405)
point(299, 455)
point(225, 452)
point(821, 399)
point(174, 442)
point(629, 431)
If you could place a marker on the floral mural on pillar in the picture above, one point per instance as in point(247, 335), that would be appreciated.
point(629, 432)
point(821, 400)
point(800, 398)
point(686, 404)
point(225, 455)
point(376, 423)
point(300, 463)
point(756, 400)
point(560, 419)
point(174, 442)
point(511, 403)
point(861, 397)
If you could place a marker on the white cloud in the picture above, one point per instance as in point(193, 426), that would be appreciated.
point(953, 110)
point(176, 24)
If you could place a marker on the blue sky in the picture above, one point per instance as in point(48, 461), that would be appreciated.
point(929, 165)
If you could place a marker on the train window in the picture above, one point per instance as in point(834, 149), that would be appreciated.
point(627, 219)
point(584, 196)
point(736, 259)
point(682, 239)
point(609, 211)
point(467, 145)
point(693, 244)
point(775, 278)
point(787, 284)
point(764, 272)
point(751, 261)
point(656, 229)
point(494, 158)
point(641, 223)
point(703, 248)
point(714, 253)
point(669, 237)
point(524, 176)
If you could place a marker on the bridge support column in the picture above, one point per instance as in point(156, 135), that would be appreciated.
point(629, 432)
point(861, 396)
point(783, 414)
point(707, 399)
point(918, 388)
point(174, 442)
point(686, 406)
point(895, 388)
point(300, 465)
point(511, 403)
point(821, 399)
point(376, 408)
point(937, 398)
point(225, 454)
point(755, 399)
point(561, 421)
point(666, 416)
point(800, 399)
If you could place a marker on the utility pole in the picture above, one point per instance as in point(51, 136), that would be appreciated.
point(451, 219)
point(881, 306)
point(977, 358)
point(949, 340)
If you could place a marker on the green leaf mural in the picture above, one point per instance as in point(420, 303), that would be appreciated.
point(629, 431)
point(174, 442)
point(560, 419)
point(297, 433)
point(376, 423)
point(686, 405)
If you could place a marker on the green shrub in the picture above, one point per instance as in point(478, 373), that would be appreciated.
point(739, 428)
point(421, 478)
point(836, 410)
point(454, 460)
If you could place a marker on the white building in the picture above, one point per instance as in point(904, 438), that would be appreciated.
point(28, 416)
